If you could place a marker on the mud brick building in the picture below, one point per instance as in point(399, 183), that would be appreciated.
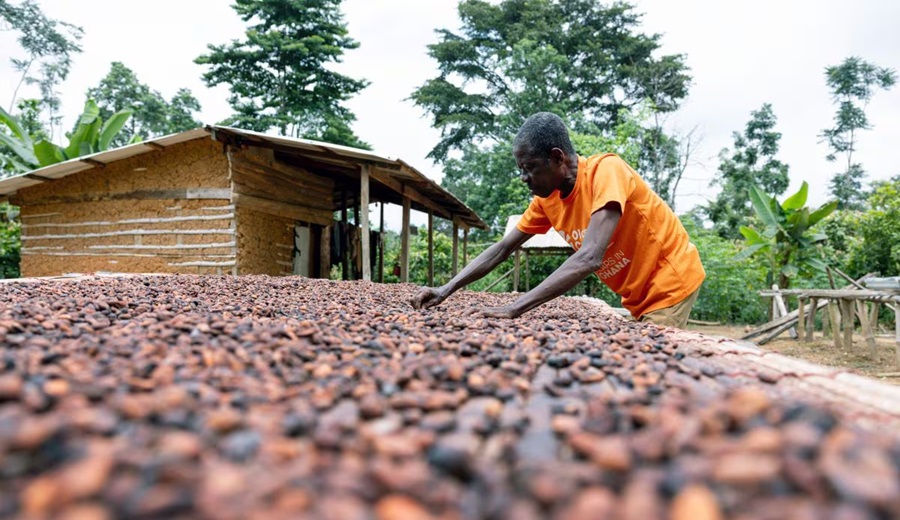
point(220, 200)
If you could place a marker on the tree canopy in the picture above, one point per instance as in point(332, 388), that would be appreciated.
point(580, 59)
point(152, 115)
point(48, 46)
point(279, 75)
point(750, 163)
point(852, 84)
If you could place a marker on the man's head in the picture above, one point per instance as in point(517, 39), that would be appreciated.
point(544, 154)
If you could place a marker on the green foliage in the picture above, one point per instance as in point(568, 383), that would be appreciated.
point(852, 84)
point(751, 163)
point(152, 115)
point(729, 293)
point(10, 245)
point(868, 241)
point(787, 239)
point(577, 58)
point(91, 135)
point(48, 45)
point(278, 74)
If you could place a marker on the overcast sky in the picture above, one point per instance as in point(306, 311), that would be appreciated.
point(741, 55)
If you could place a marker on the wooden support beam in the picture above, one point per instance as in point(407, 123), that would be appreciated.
point(835, 316)
point(801, 318)
point(410, 192)
point(862, 313)
point(896, 308)
point(345, 239)
point(466, 251)
point(527, 272)
point(325, 253)
point(847, 319)
point(430, 249)
point(381, 246)
point(455, 266)
point(404, 242)
point(155, 146)
point(364, 218)
point(282, 209)
point(811, 319)
point(516, 268)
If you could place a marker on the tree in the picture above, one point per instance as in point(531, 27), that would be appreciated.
point(576, 58)
point(787, 240)
point(879, 228)
point(852, 84)
point(751, 163)
point(120, 89)
point(48, 44)
point(279, 76)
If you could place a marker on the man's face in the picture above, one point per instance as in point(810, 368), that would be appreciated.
point(538, 173)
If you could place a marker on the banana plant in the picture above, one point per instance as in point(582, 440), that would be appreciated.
point(91, 135)
point(787, 239)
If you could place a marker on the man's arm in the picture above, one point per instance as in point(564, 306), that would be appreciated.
point(575, 269)
point(477, 268)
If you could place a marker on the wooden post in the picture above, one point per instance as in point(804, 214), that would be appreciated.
point(516, 272)
point(801, 318)
point(466, 247)
point(381, 246)
point(896, 308)
point(527, 272)
point(325, 253)
point(811, 319)
point(873, 317)
point(847, 318)
point(345, 239)
point(404, 242)
point(863, 313)
point(826, 322)
point(455, 266)
point(835, 314)
point(430, 248)
point(365, 249)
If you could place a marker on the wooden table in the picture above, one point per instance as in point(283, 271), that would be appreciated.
point(842, 304)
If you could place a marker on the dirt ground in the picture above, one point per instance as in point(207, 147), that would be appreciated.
point(822, 351)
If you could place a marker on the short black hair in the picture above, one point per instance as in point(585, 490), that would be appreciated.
point(541, 133)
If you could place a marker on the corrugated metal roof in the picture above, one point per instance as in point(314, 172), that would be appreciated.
point(396, 168)
point(12, 184)
point(549, 240)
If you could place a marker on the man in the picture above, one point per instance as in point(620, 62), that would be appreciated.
point(619, 228)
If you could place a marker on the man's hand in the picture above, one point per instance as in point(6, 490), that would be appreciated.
point(428, 297)
point(492, 312)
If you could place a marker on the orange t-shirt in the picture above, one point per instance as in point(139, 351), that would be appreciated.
point(650, 260)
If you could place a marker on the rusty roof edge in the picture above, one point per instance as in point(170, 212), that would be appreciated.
point(481, 223)
point(361, 155)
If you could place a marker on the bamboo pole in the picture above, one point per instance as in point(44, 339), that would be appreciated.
point(801, 318)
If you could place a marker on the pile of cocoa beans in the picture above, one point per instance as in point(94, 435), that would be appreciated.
point(258, 397)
